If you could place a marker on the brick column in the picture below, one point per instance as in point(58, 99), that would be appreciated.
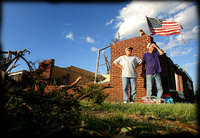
point(118, 49)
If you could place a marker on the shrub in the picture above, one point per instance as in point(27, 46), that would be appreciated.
point(49, 114)
point(93, 93)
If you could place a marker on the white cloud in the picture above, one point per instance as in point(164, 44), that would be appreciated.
point(180, 52)
point(94, 49)
point(190, 34)
point(190, 65)
point(174, 42)
point(69, 36)
point(89, 40)
point(186, 65)
point(110, 22)
point(187, 18)
point(180, 7)
point(183, 38)
point(132, 17)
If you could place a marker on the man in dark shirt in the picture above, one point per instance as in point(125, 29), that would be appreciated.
point(153, 69)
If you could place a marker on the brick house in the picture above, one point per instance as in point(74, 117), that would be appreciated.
point(174, 80)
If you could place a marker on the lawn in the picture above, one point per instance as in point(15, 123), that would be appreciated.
point(86, 114)
point(140, 120)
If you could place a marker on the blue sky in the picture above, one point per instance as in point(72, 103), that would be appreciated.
point(71, 33)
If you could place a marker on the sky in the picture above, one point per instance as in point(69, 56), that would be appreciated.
point(72, 33)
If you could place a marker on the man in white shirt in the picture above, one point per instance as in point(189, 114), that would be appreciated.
point(128, 63)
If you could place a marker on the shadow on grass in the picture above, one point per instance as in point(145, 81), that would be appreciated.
point(120, 126)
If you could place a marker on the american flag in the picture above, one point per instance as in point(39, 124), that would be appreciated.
point(163, 27)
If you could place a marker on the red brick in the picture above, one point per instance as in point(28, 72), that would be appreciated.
point(117, 49)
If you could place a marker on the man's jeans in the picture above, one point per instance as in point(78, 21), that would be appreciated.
point(149, 79)
point(126, 81)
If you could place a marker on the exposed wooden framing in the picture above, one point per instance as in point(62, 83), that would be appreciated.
point(13, 61)
point(97, 64)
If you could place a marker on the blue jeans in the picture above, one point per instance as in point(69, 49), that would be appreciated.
point(126, 81)
point(149, 79)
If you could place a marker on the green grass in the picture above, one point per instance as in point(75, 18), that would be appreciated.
point(183, 112)
point(141, 120)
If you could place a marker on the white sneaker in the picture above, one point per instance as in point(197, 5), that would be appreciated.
point(131, 102)
point(125, 101)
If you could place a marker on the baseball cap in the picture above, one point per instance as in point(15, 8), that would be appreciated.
point(129, 48)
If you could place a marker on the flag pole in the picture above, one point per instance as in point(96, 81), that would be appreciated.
point(182, 39)
point(182, 35)
point(148, 25)
point(149, 28)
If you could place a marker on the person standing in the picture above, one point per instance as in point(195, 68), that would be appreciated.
point(153, 68)
point(128, 63)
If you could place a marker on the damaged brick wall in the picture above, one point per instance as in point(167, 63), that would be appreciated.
point(47, 69)
point(169, 69)
point(118, 49)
